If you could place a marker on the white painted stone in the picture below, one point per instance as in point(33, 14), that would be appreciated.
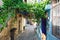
point(1, 3)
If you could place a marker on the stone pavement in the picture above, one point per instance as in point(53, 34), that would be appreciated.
point(28, 34)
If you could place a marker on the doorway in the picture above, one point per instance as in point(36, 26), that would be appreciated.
point(12, 33)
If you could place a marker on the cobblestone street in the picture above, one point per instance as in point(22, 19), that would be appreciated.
point(28, 34)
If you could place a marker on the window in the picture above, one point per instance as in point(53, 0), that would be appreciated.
point(24, 0)
point(58, 0)
point(55, 1)
point(56, 21)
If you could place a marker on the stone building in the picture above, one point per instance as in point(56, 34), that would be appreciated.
point(14, 27)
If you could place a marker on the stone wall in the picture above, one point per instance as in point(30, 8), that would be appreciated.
point(13, 29)
point(4, 35)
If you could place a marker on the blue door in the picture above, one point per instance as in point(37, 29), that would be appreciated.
point(51, 24)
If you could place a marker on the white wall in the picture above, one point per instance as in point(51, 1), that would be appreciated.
point(31, 1)
point(1, 3)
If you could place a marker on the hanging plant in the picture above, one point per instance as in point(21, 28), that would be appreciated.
point(38, 9)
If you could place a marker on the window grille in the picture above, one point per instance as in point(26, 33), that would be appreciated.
point(56, 21)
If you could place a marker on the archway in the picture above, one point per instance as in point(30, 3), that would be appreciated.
point(12, 33)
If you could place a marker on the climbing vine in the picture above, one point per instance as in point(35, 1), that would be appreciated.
point(9, 7)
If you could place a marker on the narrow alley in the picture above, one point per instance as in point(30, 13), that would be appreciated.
point(28, 34)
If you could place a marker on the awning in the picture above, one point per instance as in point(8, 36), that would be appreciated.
point(48, 7)
point(24, 13)
point(21, 12)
